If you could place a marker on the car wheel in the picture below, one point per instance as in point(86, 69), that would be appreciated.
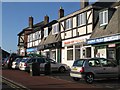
point(76, 79)
point(62, 69)
point(89, 78)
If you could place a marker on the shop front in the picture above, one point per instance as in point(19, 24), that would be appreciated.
point(51, 50)
point(75, 49)
point(107, 47)
point(32, 50)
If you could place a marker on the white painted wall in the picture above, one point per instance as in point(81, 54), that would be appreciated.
point(82, 30)
point(89, 28)
point(68, 34)
point(74, 32)
point(90, 16)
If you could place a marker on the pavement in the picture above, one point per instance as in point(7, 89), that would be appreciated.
point(39, 82)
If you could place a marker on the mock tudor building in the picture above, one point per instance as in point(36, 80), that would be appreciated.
point(51, 44)
point(92, 30)
point(22, 38)
point(106, 35)
point(75, 29)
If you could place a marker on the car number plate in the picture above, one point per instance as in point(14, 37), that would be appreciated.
point(74, 68)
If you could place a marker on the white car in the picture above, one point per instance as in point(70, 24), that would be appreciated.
point(25, 64)
point(92, 68)
point(15, 64)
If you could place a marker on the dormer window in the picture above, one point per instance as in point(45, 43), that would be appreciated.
point(55, 29)
point(103, 18)
point(68, 24)
point(81, 19)
point(45, 32)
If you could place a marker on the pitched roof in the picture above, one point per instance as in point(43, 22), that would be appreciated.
point(40, 24)
point(110, 29)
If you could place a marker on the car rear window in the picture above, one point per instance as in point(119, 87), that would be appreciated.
point(25, 59)
point(78, 63)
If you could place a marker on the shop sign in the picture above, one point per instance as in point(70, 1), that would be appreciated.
point(111, 45)
point(103, 39)
point(31, 49)
point(74, 41)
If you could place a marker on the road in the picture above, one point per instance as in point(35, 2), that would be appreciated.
point(57, 80)
point(103, 83)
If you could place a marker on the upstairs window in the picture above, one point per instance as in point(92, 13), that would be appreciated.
point(81, 19)
point(103, 17)
point(45, 32)
point(39, 34)
point(55, 29)
point(68, 24)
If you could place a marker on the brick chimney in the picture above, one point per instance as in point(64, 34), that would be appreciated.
point(30, 22)
point(84, 3)
point(61, 12)
point(46, 19)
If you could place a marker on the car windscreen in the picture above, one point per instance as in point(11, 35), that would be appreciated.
point(18, 59)
point(78, 63)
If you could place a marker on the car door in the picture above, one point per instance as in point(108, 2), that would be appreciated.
point(95, 67)
point(109, 68)
point(54, 65)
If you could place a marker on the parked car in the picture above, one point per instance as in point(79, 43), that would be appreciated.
point(16, 62)
point(3, 61)
point(92, 68)
point(25, 64)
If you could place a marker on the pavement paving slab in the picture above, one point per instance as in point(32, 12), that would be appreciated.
point(24, 78)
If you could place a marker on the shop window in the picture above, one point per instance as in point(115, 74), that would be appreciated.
point(54, 55)
point(77, 52)
point(111, 53)
point(88, 52)
point(70, 53)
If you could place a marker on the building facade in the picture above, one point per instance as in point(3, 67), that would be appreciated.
point(75, 29)
point(92, 31)
point(22, 38)
point(106, 36)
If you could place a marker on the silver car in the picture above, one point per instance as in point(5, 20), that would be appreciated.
point(92, 68)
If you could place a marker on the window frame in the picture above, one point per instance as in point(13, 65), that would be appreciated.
point(103, 17)
point(55, 28)
point(45, 32)
point(68, 24)
point(82, 19)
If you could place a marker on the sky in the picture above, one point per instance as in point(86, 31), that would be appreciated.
point(15, 17)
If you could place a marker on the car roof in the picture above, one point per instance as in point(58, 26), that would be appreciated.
point(89, 58)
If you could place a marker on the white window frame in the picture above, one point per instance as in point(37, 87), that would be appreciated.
point(82, 19)
point(68, 24)
point(45, 32)
point(103, 17)
point(55, 28)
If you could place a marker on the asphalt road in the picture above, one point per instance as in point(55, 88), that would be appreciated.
point(103, 83)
